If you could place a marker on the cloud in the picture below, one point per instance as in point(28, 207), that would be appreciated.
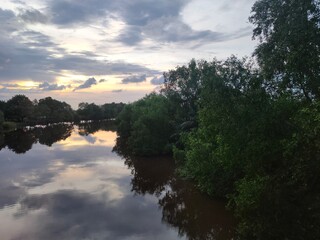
point(87, 84)
point(102, 80)
point(39, 58)
point(140, 13)
point(160, 21)
point(134, 79)
point(96, 217)
point(65, 13)
point(131, 36)
point(14, 85)
point(117, 90)
point(37, 39)
point(51, 87)
point(32, 16)
point(10, 193)
point(157, 80)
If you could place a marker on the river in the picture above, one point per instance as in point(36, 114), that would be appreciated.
point(65, 182)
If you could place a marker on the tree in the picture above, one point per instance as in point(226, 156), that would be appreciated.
point(3, 106)
point(52, 110)
point(289, 50)
point(19, 108)
point(111, 110)
point(145, 126)
point(182, 87)
point(90, 111)
point(1, 119)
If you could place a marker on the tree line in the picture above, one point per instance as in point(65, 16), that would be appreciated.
point(20, 109)
point(22, 140)
point(246, 130)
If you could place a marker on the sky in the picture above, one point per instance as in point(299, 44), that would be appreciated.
point(112, 50)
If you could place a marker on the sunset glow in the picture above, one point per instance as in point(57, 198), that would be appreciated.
point(51, 48)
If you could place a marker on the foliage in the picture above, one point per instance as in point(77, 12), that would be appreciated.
point(49, 110)
point(182, 87)
point(3, 106)
point(259, 151)
point(289, 50)
point(112, 110)
point(9, 126)
point(230, 100)
point(145, 126)
point(19, 108)
point(90, 111)
point(1, 119)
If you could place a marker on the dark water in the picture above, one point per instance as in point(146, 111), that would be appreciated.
point(64, 182)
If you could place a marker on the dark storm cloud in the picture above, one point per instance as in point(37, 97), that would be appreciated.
point(134, 79)
point(87, 84)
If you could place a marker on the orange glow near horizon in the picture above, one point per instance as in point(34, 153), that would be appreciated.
point(100, 138)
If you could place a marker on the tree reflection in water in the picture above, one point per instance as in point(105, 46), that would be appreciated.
point(21, 140)
point(52, 134)
point(195, 215)
point(87, 128)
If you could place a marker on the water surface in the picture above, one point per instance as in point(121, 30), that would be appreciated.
point(65, 182)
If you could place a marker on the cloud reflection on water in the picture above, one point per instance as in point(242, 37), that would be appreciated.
point(71, 187)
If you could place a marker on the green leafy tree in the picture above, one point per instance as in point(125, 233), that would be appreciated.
point(1, 119)
point(90, 111)
point(51, 110)
point(112, 110)
point(289, 50)
point(19, 108)
point(145, 126)
point(182, 87)
point(3, 106)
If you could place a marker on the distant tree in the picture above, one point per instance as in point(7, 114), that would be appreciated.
point(289, 50)
point(52, 110)
point(90, 111)
point(19, 108)
point(111, 110)
point(3, 106)
point(1, 119)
